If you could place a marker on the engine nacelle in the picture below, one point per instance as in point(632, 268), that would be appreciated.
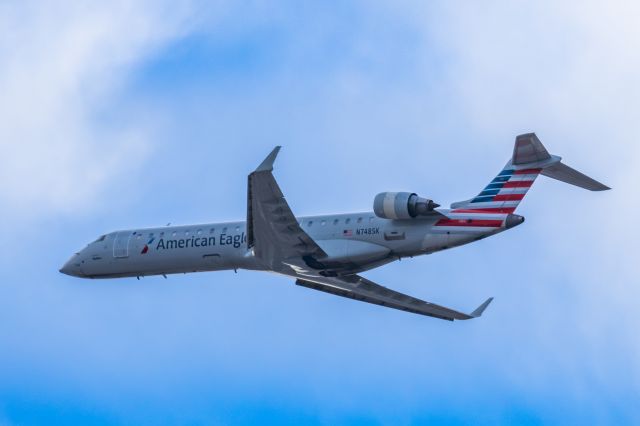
point(402, 205)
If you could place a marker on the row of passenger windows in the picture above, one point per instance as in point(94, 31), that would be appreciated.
point(224, 230)
point(347, 221)
point(186, 233)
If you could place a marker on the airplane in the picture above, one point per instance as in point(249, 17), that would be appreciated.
point(327, 253)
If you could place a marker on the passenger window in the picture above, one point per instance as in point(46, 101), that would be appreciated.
point(224, 229)
point(359, 220)
point(323, 223)
point(162, 234)
point(237, 228)
point(174, 233)
point(199, 231)
point(212, 230)
point(186, 232)
point(347, 220)
point(335, 221)
point(310, 223)
point(371, 219)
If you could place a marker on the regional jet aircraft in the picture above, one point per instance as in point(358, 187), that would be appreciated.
point(327, 253)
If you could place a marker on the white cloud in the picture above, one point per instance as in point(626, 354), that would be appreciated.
point(61, 66)
point(568, 71)
point(571, 72)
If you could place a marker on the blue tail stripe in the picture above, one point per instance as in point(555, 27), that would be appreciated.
point(489, 192)
point(494, 186)
point(506, 172)
point(483, 199)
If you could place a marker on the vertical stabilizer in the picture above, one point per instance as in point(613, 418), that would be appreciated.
point(530, 158)
point(528, 149)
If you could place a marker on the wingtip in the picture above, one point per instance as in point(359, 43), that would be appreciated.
point(267, 164)
point(480, 309)
point(603, 187)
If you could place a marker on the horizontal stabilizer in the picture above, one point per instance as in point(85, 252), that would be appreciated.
point(564, 173)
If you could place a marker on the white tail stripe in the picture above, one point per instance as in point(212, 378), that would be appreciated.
point(521, 178)
point(513, 191)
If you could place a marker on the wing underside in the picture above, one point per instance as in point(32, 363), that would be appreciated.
point(359, 288)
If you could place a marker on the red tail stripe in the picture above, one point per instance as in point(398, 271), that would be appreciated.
point(527, 172)
point(508, 197)
point(518, 184)
point(470, 222)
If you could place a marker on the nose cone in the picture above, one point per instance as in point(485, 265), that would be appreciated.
point(72, 267)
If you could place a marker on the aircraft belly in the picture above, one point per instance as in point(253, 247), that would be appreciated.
point(435, 241)
point(352, 251)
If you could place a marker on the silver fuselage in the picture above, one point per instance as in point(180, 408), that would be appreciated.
point(355, 242)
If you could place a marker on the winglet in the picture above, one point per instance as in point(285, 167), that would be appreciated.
point(267, 164)
point(478, 312)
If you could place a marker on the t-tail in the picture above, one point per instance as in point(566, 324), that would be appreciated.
point(530, 159)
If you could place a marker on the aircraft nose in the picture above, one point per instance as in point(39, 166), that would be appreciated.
point(72, 267)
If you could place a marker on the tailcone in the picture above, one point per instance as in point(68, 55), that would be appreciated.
point(513, 220)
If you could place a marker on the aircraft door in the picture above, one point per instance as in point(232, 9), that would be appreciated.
point(121, 244)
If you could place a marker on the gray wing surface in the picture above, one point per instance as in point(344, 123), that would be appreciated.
point(359, 288)
point(273, 231)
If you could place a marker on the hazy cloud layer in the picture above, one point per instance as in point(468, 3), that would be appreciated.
point(64, 65)
point(365, 97)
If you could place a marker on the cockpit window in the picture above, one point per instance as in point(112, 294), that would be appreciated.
point(100, 239)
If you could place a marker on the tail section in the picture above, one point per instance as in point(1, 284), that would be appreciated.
point(564, 173)
point(504, 193)
point(530, 159)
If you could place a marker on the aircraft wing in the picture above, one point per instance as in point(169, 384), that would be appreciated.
point(359, 288)
point(273, 232)
point(275, 236)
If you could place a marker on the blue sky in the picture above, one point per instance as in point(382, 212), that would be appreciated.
point(142, 113)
